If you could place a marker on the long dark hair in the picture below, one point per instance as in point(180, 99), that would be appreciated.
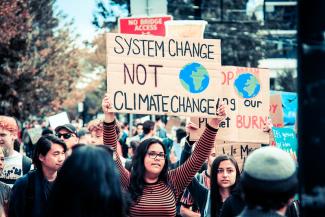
point(138, 170)
point(215, 197)
point(87, 185)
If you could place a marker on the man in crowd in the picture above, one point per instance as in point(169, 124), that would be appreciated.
point(16, 164)
point(30, 193)
point(68, 133)
point(149, 130)
point(269, 182)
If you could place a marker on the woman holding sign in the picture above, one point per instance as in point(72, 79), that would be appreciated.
point(154, 190)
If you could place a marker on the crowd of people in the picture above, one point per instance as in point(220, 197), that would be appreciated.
point(102, 171)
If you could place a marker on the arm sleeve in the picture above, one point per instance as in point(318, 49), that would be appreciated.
point(182, 176)
point(198, 192)
point(110, 139)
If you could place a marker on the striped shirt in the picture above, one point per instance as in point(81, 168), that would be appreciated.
point(159, 199)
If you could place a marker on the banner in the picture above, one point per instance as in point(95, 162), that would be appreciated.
point(239, 151)
point(276, 112)
point(158, 75)
point(286, 139)
point(246, 94)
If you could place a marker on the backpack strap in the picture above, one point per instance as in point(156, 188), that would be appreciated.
point(27, 163)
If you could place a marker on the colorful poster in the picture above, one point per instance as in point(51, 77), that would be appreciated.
point(286, 139)
point(246, 95)
point(276, 111)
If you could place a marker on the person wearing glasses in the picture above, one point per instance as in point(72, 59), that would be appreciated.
point(68, 133)
point(154, 190)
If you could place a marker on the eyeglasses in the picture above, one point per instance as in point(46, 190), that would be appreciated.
point(154, 155)
point(64, 135)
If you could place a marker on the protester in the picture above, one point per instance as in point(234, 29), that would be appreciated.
point(87, 185)
point(68, 133)
point(225, 176)
point(4, 188)
point(269, 182)
point(160, 127)
point(16, 164)
point(84, 136)
point(154, 190)
point(189, 206)
point(149, 130)
point(29, 196)
point(95, 128)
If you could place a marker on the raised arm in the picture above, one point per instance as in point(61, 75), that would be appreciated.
point(183, 175)
point(110, 139)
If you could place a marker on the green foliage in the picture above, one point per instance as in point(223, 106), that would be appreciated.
point(40, 65)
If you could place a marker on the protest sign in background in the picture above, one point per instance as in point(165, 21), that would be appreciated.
point(276, 112)
point(157, 75)
point(58, 119)
point(289, 107)
point(246, 95)
point(285, 139)
point(143, 25)
point(239, 151)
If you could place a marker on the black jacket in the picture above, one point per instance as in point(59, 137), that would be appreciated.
point(29, 196)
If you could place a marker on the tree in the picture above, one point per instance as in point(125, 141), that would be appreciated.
point(37, 77)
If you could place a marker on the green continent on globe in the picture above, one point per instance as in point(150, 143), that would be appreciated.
point(250, 85)
point(198, 76)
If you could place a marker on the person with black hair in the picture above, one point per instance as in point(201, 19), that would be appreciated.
point(269, 182)
point(29, 195)
point(87, 185)
point(224, 177)
point(154, 190)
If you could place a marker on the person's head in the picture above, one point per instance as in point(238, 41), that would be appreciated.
point(133, 148)
point(8, 133)
point(84, 136)
point(149, 161)
point(225, 176)
point(211, 158)
point(180, 134)
point(46, 131)
point(149, 128)
point(95, 128)
point(49, 153)
point(2, 159)
point(139, 129)
point(87, 185)
point(269, 179)
point(68, 133)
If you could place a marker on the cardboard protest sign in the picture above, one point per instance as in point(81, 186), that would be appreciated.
point(35, 133)
point(172, 122)
point(58, 119)
point(289, 106)
point(158, 75)
point(246, 95)
point(276, 112)
point(286, 139)
point(239, 151)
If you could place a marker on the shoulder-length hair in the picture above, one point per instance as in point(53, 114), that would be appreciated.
point(138, 170)
point(88, 184)
point(215, 197)
point(43, 145)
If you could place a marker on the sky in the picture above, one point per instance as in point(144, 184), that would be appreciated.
point(81, 11)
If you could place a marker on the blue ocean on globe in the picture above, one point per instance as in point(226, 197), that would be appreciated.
point(247, 85)
point(194, 77)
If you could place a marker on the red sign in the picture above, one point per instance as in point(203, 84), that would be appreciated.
point(143, 25)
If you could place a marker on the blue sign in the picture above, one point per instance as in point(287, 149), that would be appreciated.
point(289, 106)
point(285, 139)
